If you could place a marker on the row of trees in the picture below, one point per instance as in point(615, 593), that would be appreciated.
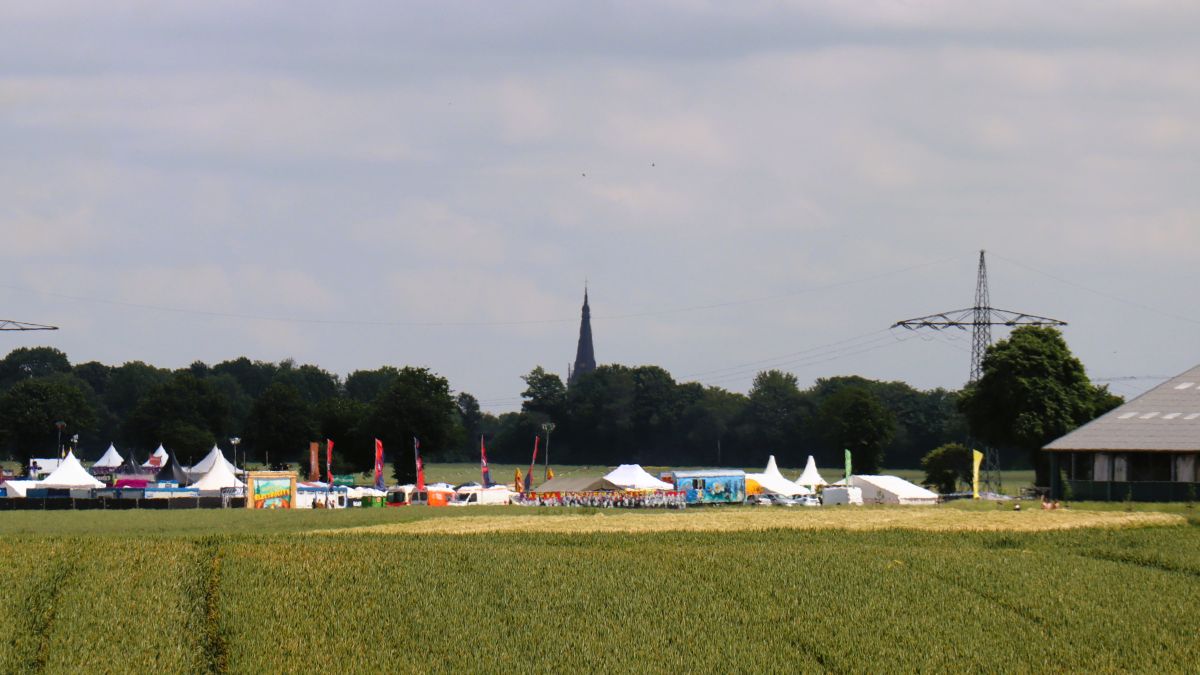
point(1032, 390)
point(641, 414)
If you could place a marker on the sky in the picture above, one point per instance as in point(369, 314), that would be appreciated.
point(740, 185)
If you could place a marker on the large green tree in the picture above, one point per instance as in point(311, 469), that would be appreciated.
point(186, 413)
point(854, 419)
point(418, 404)
point(28, 362)
point(1032, 391)
point(280, 425)
point(946, 465)
point(30, 409)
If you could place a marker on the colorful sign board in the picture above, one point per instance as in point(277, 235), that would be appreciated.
point(270, 490)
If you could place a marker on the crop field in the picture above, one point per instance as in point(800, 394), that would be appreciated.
point(237, 591)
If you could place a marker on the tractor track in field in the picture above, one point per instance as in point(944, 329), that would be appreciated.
point(42, 607)
point(1157, 565)
point(216, 649)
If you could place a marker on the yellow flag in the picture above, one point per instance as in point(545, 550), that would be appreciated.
point(978, 459)
point(549, 474)
point(517, 481)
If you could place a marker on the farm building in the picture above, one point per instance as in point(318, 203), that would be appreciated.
point(1145, 450)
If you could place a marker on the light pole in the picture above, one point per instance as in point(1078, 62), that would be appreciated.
point(60, 425)
point(235, 441)
point(547, 427)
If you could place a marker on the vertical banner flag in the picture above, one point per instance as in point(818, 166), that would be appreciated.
point(379, 465)
point(517, 479)
point(329, 461)
point(848, 468)
point(314, 461)
point(532, 463)
point(420, 465)
point(977, 459)
point(483, 467)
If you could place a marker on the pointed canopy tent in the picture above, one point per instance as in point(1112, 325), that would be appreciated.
point(634, 477)
point(111, 460)
point(70, 474)
point(210, 460)
point(219, 476)
point(172, 470)
point(810, 478)
point(157, 460)
point(772, 480)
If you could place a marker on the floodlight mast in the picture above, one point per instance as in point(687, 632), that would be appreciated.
point(980, 318)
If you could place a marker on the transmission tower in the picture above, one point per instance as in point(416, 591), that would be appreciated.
point(980, 319)
point(7, 324)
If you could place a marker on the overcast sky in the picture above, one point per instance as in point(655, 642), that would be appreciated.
point(743, 184)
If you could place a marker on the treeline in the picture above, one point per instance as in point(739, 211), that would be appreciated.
point(641, 414)
point(616, 414)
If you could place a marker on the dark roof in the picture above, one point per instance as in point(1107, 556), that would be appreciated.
point(576, 484)
point(1164, 419)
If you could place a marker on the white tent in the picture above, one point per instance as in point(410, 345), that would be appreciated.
point(18, 488)
point(809, 478)
point(218, 477)
point(70, 474)
point(214, 457)
point(157, 460)
point(771, 480)
point(892, 490)
point(634, 477)
point(110, 460)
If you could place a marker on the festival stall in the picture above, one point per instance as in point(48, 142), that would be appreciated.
point(634, 477)
point(70, 475)
point(213, 458)
point(109, 463)
point(219, 477)
point(892, 490)
point(772, 481)
point(810, 478)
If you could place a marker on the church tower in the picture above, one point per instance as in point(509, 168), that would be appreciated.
point(585, 358)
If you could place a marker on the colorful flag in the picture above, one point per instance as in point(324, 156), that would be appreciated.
point(517, 479)
point(329, 461)
point(532, 463)
point(549, 474)
point(379, 485)
point(483, 465)
point(977, 459)
point(420, 465)
point(847, 468)
point(314, 461)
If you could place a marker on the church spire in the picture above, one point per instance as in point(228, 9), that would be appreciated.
point(585, 357)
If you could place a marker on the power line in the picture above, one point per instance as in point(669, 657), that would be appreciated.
point(451, 324)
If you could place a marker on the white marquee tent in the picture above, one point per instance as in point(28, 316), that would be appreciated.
point(809, 478)
point(771, 480)
point(219, 476)
point(634, 477)
point(157, 460)
point(70, 474)
point(214, 457)
point(892, 490)
point(110, 461)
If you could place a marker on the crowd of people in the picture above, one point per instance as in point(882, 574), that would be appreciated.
point(675, 499)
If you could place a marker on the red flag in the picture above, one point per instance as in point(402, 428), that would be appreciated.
point(532, 463)
point(487, 476)
point(379, 464)
point(420, 465)
point(329, 460)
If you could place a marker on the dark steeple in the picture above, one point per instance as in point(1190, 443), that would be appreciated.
point(585, 358)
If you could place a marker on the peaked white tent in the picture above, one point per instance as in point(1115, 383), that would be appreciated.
point(772, 480)
point(892, 490)
point(214, 457)
point(219, 476)
point(809, 478)
point(157, 460)
point(634, 477)
point(70, 474)
point(110, 460)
